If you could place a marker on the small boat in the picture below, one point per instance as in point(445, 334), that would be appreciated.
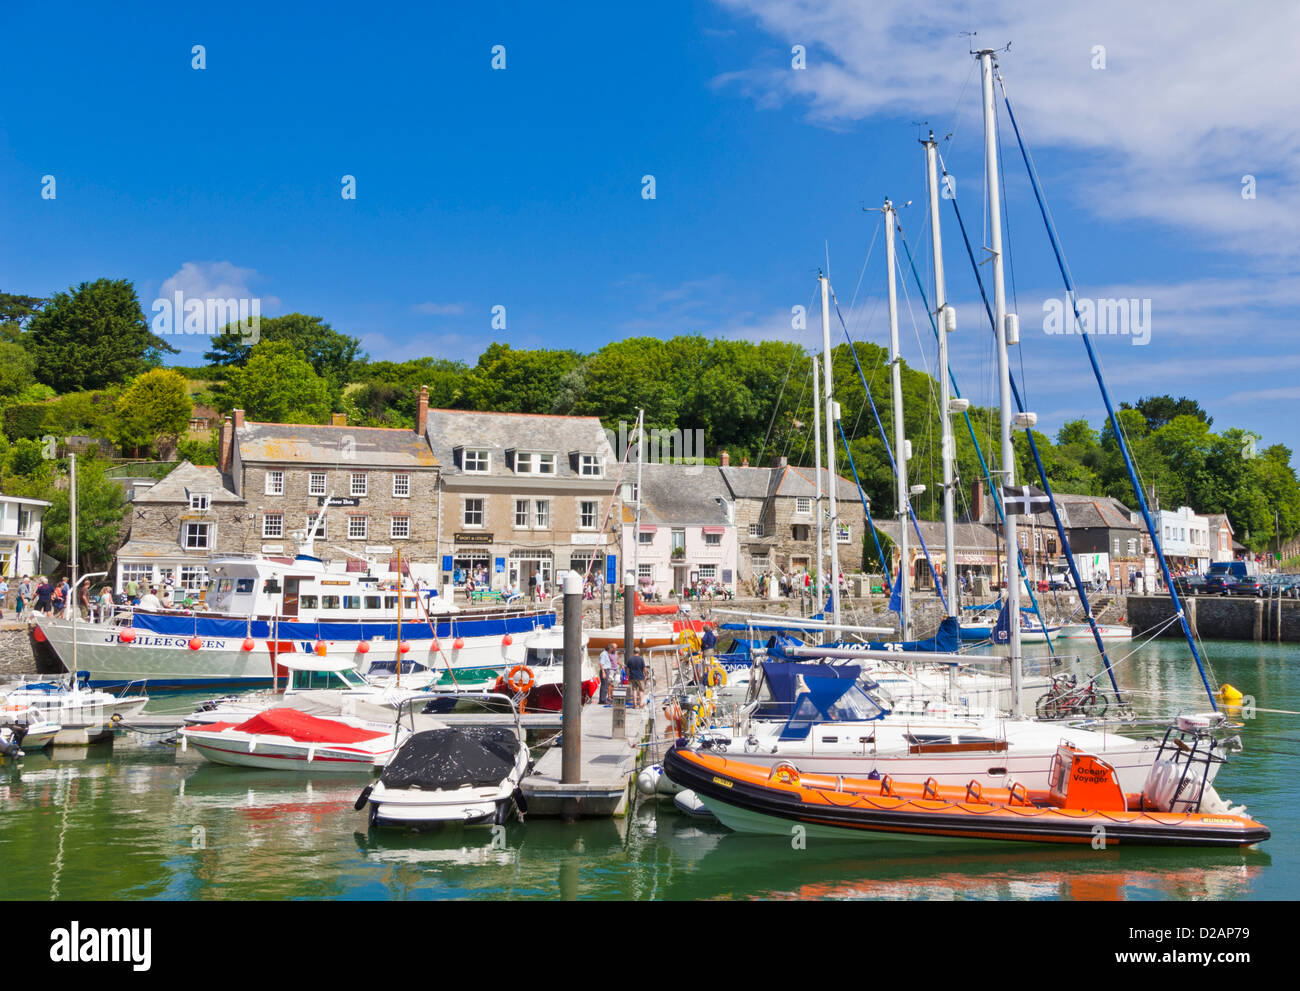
point(28, 727)
point(1084, 801)
point(452, 775)
point(289, 739)
point(84, 714)
point(536, 670)
point(1082, 631)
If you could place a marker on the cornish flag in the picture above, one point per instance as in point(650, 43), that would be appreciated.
point(1023, 500)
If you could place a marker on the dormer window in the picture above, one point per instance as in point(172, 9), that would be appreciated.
point(476, 460)
point(200, 501)
point(591, 466)
point(534, 463)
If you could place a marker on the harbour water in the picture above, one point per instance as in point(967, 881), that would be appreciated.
point(140, 820)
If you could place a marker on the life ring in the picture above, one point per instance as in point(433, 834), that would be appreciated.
point(518, 683)
point(784, 773)
point(717, 676)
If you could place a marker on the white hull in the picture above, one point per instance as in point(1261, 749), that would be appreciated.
point(274, 752)
point(1082, 631)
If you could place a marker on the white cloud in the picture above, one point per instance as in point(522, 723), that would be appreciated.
point(215, 280)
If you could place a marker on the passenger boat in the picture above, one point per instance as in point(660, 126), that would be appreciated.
point(288, 739)
point(453, 775)
point(259, 608)
point(1083, 801)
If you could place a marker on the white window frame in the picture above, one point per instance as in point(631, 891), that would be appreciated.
point(405, 483)
point(645, 537)
point(759, 563)
point(712, 539)
point(358, 527)
point(524, 509)
point(267, 532)
point(645, 571)
point(844, 534)
point(200, 501)
point(275, 483)
point(591, 466)
point(142, 573)
point(207, 530)
point(363, 488)
point(478, 454)
point(541, 514)
point(315, 522)
point(583, 514)
point(708, 571)
point(756, 529)
point(393, 533)
point(465, 511)
point(313, 488)
point(803, 506)
point(533, 462)
point(192, 577)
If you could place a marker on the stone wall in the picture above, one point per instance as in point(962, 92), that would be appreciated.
point(1214, 617)
point(15, 651)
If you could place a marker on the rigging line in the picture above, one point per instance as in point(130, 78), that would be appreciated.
point(812, 370)
point(870, 247)
point(893, 465)
point(776, 408)
point(866, 508)
point(1009, 252)
point(1110, 409)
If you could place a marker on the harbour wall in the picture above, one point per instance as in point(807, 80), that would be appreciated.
point(1213, 617)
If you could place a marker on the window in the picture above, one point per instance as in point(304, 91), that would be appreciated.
point(1132, 547)
point(756, 529)
point(198, 536)
point(803, 505)
point(645, 538)
point(844, 534)
point(351, 602)
point(477, 461)
point(473, 512)
point(275, 483)
point(1038, 541)
point(316, 526)
point(521, 513)
point(307, 602)
point(329, 601)
point(712, 539)
point(401, 486)
point(587, 512)
point(359, 484)
point(372, 602)
point(25, 523)
point(679, 543)
point(708, 571)
point(193, 578)
point(758, 563)
point(645, 572)
point(542, 514)
point(316, 483)
point(591, 466)
point(140, 573)
point(534, 463)
point(358, 527)
point(630, 493)
point(200, 502)
point(273, 525)
point(400, 528)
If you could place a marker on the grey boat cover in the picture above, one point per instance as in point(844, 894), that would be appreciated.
point(478, 756)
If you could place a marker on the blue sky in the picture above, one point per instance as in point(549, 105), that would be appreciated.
point(523, 188)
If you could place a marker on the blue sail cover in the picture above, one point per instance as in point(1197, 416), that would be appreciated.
point(828, 699)
point(946, 640)
point(1002, 628)
point(188, 626)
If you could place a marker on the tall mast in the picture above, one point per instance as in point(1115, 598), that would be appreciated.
point(831, 416)
point(72, 519)
point(1004, 370)
point(817, 454)
point(900, 441)
point(636, 525)
point(945, 321)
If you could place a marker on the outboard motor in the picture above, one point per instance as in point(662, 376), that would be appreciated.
point(1185, 765)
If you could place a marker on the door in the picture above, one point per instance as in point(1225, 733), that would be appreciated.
point(289, 607)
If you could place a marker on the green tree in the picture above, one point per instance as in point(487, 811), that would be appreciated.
point(279, 386)
point(512, 381)
point(153, 412)
point(1160, 410)
point(101, 504)
point(332, 355)
point(93, 336)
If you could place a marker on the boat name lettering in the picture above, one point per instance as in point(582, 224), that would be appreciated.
point(721, 781)
point(332, 581)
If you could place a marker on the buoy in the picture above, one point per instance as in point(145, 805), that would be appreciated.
point(363, 647)
point(458, 643)
point(38, 634)
point(403, 647)
point(647, 782)
point(435, 648)
point(126, 636)
point(320, 648)
point(247, 644)
point(195, 643)
point(507, 640)
point(1230, 696)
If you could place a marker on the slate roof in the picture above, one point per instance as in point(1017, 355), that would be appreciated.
point(448, 430)
point(138, 550)
point(680, 495)
point(787, 482)
point(1085, 512)
point(187, 478)
point(966, 536)
point(297, 443)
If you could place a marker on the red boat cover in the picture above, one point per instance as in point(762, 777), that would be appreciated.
point(304, 728)
point(642, 608)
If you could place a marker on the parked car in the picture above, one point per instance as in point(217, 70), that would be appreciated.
point(1220, 583)
point(1250, 585)
point(1190, 585)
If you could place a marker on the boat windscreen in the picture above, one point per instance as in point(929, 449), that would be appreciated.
point(829, 700)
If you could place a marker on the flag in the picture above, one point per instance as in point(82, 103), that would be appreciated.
point(1023, 500)
point(1002, 628)
point(896, 597)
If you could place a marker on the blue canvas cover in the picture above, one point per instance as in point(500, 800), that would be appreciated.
point(946, 640)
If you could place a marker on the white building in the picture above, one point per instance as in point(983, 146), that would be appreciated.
point(1185, 538)
point(20, 535)
point(687, 529)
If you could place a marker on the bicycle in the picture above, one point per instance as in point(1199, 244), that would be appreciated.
point(1065, 698)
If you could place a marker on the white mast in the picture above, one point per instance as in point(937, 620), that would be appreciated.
point(817, 455)
point(945, 321)
point(1004, 370)
point(900, 441)
point(832, 414)
point(636, 526)
point(72, 519)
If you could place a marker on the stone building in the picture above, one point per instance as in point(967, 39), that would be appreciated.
point(20, 535)
point(523, 495)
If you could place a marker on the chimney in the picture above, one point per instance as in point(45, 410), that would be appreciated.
point(227, 437)
point(780, 462)
point(724, 459)
point(239, 418)
point(977, 501)
point(744, 461)
point(422, 410)
point(338, 419)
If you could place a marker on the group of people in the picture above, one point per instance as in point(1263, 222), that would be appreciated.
point(38, 597)
point(707, 588)
point(789, 586)
point(613, 672)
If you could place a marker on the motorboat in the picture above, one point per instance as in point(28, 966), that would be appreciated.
point(83, 714)
point(451, 775)
point(286, 738)
point(536, 671)
point(27, 727)
point(1082, 631)
point(1083, 801)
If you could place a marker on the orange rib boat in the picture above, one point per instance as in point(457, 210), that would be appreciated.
point(1084, 805)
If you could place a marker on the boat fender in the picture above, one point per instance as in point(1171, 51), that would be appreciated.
point(647, 782)
point(364, 797)
point(521, 803)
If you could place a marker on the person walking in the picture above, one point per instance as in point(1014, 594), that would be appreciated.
point(636, 678)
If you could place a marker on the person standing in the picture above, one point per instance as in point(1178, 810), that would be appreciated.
point(606, 672)
point(4, 597)
point(708, 642)
point(44, 595)
point(532, 587)
point(24, 595)
point(636, 678)
point(149, 602)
